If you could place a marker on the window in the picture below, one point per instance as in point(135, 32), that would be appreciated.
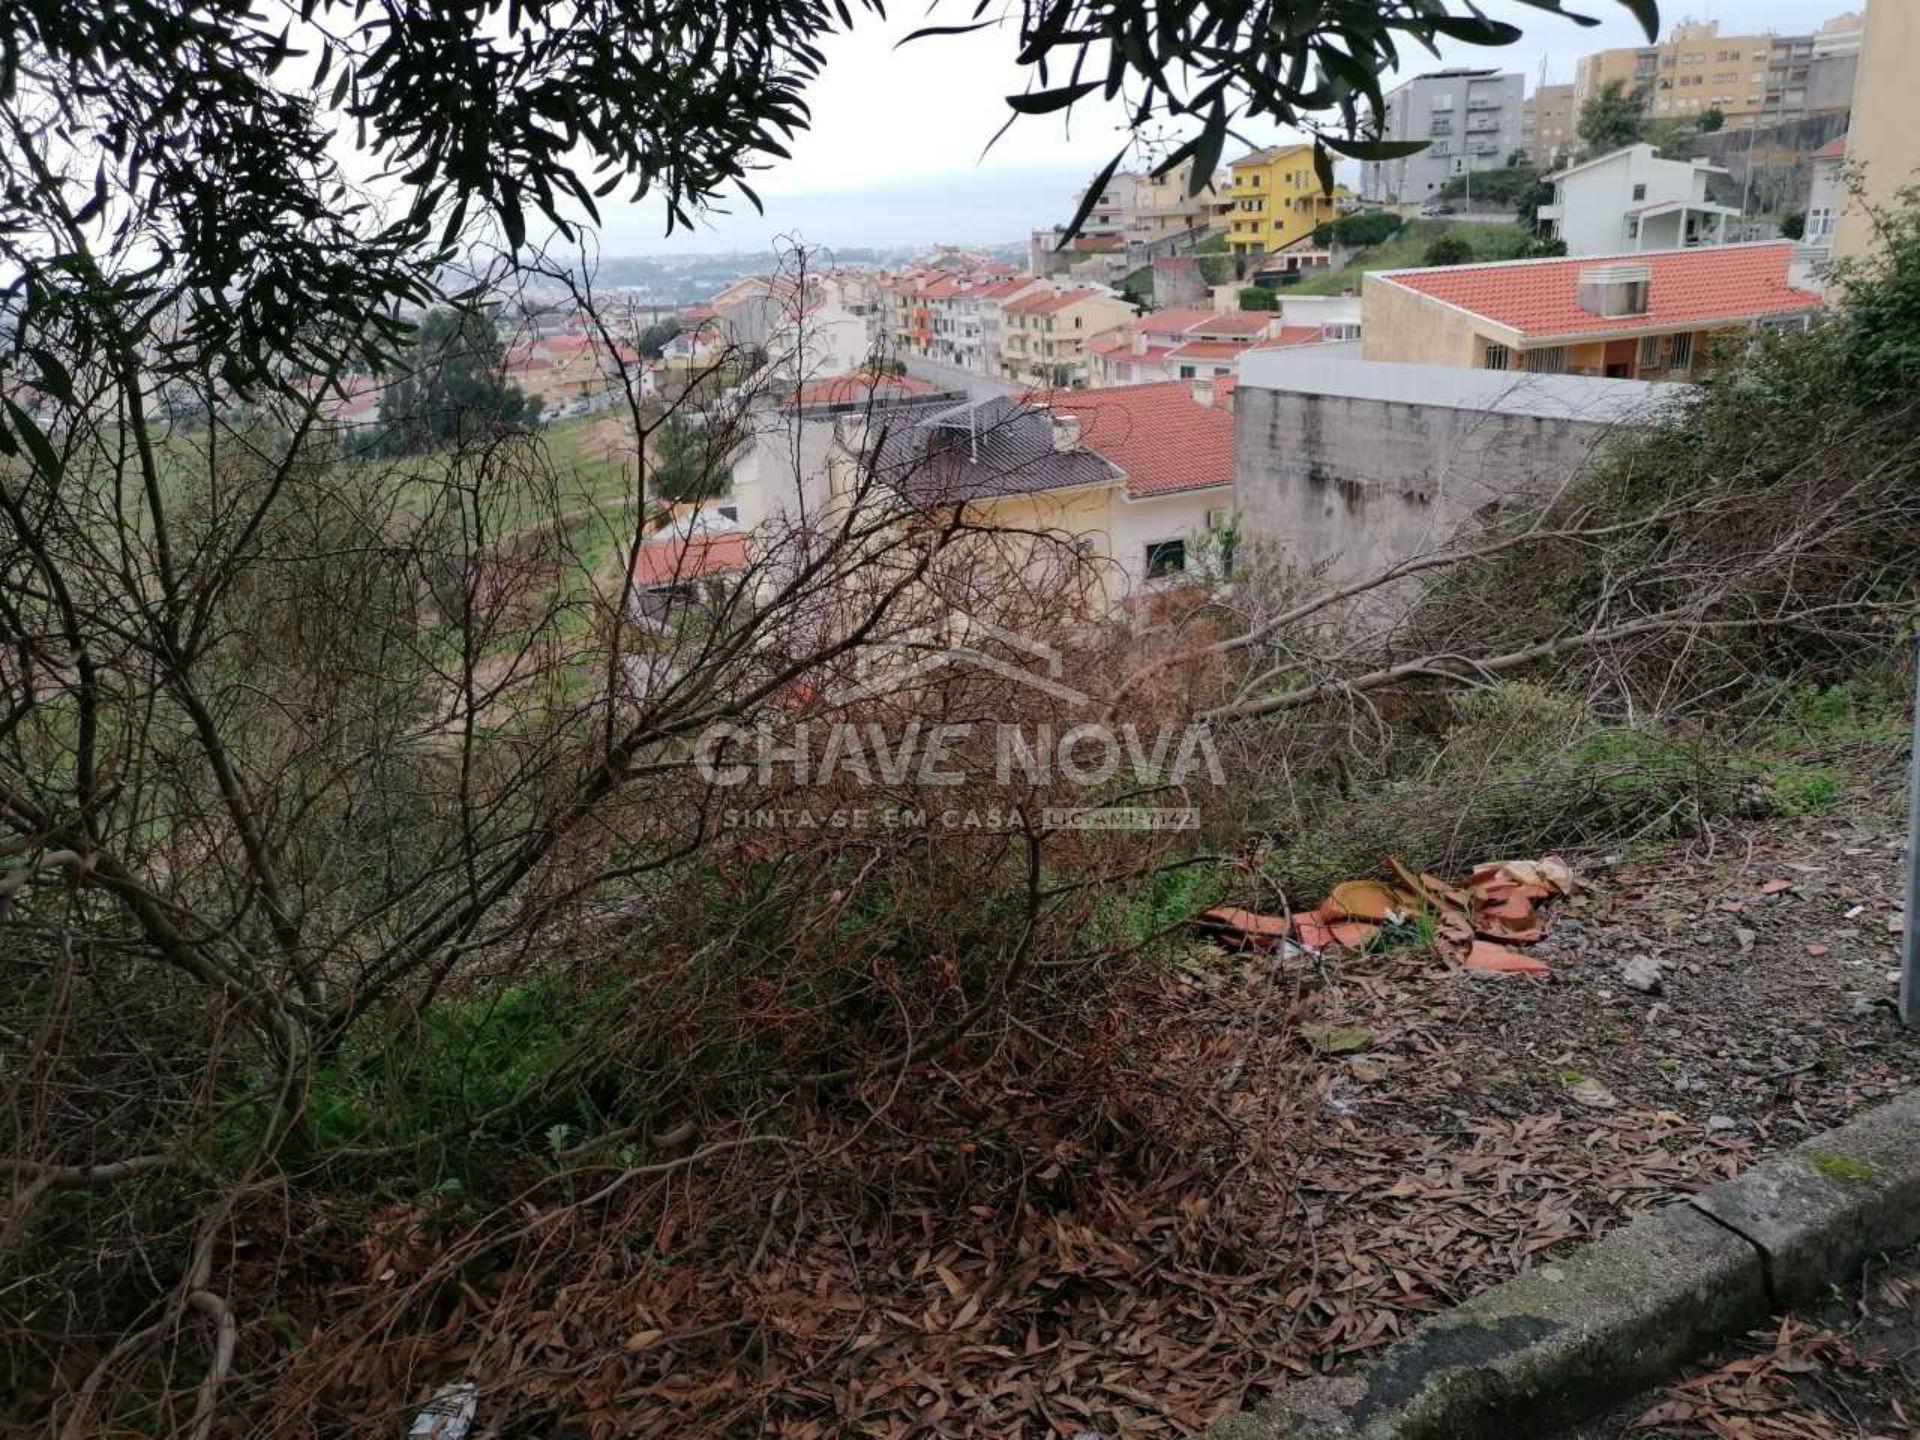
point(1498, 357)
point(1166, 557)
point(1217, 519)
point(1640, 192)
point(1550, 361)
point(1680, 352)
point(1650, 352)
point(1819, 224)
point(1188, 372)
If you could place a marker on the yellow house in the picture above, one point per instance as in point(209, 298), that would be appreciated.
point(1276, 199)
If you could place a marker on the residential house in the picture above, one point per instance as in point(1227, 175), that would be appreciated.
point(1045, 334)
point(1884, 142)
point(811, 325)
point(1469, 120)
point(1276, 199)
point(699, 348)
point(1186, 344)
point(574, 374)
point(1826, 200)
point(1136, 476)
point(1634, 200)
point(1747, 78)
point(1645, 314)
point(1166, 208)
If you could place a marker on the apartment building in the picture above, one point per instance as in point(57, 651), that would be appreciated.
point(1472, 120)
point(1550, 126)
point(1634, 200)
point(1645, 316)
point(1045, 333)
point(1748, 78)
point(1275, 199)
point(1884, 143)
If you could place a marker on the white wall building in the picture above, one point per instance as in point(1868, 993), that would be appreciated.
point(1633, 200)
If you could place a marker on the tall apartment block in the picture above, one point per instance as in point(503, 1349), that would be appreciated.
point(1751, 79)
point(1473, 120)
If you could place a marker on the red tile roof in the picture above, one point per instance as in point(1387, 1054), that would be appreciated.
point(1233, 322)
point(1164, 439)
point(1047, 302)
point(1291, 335)
point(1539, 299)
point(859, 387)
point(1209, 350)
point(1176, 320)
point(666, 561)
point(1832, 150)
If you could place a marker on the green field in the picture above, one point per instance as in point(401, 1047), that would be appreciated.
point(1409, 248)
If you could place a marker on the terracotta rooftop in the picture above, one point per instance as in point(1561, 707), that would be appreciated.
point(1539, 299)
point(859, 387)
point(1208, 350)
point(1175, 320)
point(1291, 335)
point(667, 561)
point(1047, 303)
point(1165, 440)
point(1832, 150)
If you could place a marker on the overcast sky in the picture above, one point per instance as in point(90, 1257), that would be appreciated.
point(894, 156)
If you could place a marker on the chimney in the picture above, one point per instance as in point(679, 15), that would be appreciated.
point(1203, 393)
point(1066, 432)
point(1616, 291)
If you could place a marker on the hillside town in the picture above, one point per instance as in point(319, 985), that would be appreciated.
point(1182, 309)
point(1245, 768)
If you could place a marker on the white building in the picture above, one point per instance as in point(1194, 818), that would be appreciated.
point(1633, 200)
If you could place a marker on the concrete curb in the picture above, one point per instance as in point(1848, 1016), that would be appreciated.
point(1560, 1342)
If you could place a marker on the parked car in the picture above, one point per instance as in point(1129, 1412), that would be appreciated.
point(1437, 209)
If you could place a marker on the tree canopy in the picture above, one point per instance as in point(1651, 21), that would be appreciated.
point(1611, 119)
point(452, 387)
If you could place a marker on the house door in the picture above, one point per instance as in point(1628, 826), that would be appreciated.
point(1620, 358)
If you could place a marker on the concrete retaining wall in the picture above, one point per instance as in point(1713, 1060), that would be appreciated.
point(1363, 463)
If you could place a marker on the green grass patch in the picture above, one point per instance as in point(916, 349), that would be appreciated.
point(1408, 249)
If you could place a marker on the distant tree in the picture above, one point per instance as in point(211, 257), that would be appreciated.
point(1365, 227)
point(1611, 119)
point(1541, 247)
point(1258, 297)
point(451, 387)
point(1793, 227)
point(1449, 248)
point(1711, 119)
point(684, 472)
point(1499, 187)
point(1527, 209)
point(653, 340)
